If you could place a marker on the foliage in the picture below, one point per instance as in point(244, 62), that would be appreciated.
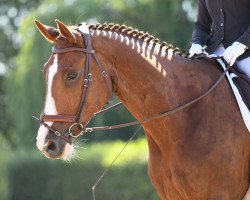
point(30, 177)
point(164, 19)
point(5, 123)
point(11, 13)
point(3, 170)
point(106, 150)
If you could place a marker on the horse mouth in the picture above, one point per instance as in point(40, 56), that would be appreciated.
point(52, 150)
point(51, 155)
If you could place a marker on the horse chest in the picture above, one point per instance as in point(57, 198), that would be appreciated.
point(178, 179)
point(169, 182)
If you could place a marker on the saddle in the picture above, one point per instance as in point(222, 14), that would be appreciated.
point(240, 85)
point(242, 82)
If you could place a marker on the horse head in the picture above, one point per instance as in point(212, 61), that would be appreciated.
point(76, 88)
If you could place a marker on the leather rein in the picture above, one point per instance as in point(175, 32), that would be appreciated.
point(76, 119)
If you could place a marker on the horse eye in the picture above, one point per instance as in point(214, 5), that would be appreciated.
point(71, 76)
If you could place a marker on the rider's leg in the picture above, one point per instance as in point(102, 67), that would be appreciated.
point(244, 66)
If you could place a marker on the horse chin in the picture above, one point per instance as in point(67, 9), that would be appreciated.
point(68, 151)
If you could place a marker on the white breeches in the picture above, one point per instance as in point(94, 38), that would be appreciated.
point(242, 65)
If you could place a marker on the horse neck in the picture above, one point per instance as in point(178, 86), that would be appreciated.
point(148, 79)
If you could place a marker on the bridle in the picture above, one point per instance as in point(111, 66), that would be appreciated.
point(76, 119)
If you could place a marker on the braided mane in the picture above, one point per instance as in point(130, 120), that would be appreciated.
point(135, 33)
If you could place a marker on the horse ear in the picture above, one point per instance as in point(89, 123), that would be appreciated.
point(50, 33)
point(64, 31)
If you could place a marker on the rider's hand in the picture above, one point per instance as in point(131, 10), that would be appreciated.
point(196, 49)
point(233, 52)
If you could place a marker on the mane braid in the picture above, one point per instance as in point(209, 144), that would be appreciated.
point(135, 33)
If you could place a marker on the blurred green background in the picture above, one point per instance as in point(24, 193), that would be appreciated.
point(24, 173)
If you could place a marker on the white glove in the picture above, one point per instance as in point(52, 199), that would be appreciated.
point(233, 52)
point(196, 49)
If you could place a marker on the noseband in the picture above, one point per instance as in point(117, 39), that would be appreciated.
point(76, 119)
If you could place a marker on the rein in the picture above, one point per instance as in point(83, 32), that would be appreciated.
point(76, 119)
point(164, 114)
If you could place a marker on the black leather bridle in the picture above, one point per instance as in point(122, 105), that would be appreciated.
point(76, 119)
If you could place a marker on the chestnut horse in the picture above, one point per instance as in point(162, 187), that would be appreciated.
point(200, 152)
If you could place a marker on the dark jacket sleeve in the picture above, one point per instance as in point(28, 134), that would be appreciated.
point(202, 26)
point(245, 38)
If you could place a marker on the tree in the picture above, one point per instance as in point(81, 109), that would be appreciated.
point(11, 13)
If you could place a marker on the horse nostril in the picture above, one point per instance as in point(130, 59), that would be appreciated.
point(49, 146)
